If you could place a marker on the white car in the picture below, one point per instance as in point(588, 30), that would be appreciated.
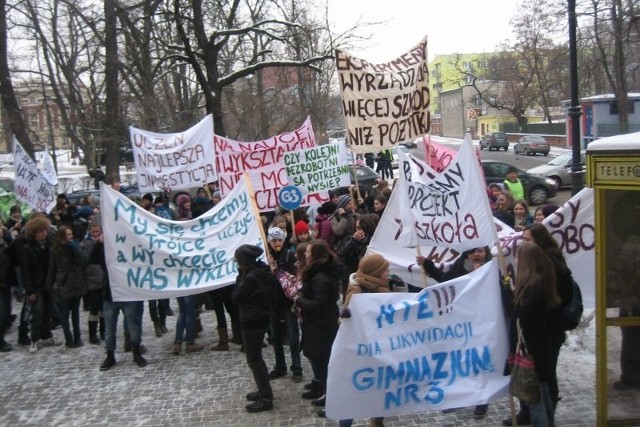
point(558, 169)
point(394, 152)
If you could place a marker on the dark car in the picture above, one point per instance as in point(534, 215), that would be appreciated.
point(495, 141)
point(409, 144)
point(537, 189)
point(532, 144)
point(367, 177)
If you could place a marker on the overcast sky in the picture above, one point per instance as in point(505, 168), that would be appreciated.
point(452, 26)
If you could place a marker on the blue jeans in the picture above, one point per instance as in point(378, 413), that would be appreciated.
point(277, 339)
point(186, 319)
point(66, 307)
point(542, 413)
point(132, 321)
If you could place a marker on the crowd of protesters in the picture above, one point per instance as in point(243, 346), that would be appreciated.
point(316, 259)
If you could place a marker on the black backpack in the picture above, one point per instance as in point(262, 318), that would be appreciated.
point(572, 311)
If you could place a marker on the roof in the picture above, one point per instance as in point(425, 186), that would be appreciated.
point(625, 142)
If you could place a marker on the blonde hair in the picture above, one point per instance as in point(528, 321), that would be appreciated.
point(535, 276)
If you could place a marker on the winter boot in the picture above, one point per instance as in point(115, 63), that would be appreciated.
point(163, 325)
point(314, 392)
point(223, 340)
point(137, 357)
point(93, 332)
point(193, 347)
point(236, 337)
point(108, 362)
point(198, 324)
point(158, 328)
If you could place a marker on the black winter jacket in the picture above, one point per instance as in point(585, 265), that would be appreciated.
point(34, 266)
point(252, 295)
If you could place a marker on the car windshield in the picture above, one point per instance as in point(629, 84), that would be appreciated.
point(560, 160)
point(537, 140)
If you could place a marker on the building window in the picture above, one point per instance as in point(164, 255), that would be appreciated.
point(613, 107)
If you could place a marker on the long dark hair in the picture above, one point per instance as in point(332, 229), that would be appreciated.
point(321, 255)
point(60, 238)
point(548, 244)
point(535, 276)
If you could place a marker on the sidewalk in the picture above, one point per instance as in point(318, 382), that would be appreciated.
point(63, 387)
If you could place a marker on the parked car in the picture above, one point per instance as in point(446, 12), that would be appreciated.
point(558, 168)
point(495, 141)
point(537, 189)
point(394, 152)
point(532, 144)
point(409, 144)
point(367, 177)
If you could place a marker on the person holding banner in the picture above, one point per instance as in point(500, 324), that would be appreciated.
point(282, 318)
point(317, 302)
point(252, 296)
point(535, 302)
point(372, 276)
point(111, 310)
point(468, 261)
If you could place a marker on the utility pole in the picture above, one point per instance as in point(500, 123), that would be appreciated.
point(577, 175)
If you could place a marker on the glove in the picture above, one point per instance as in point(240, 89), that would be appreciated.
point(345, 313)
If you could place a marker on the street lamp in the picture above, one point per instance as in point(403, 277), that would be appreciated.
point(577, 175)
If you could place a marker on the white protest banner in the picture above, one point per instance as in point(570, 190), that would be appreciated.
point(149, 257)
point(451, 209)
point(402, 260)
point(384, 104)
point(48, 168)
point(403, 353)
point(264, 162)
point(174, 160)
point(321, 168)
point(31, 186)
point(572, 226)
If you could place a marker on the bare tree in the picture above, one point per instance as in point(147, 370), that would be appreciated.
point(7, 93)
point(225, 42)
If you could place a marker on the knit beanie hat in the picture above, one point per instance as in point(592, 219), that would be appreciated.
point(301, 227)
point(327, 208)
point(275, 233)
point(247, 254)
point(343, 201)
point(373, 265)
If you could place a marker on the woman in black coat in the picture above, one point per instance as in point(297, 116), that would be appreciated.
point(66, 281)
point(318, 303)
point(535, 299)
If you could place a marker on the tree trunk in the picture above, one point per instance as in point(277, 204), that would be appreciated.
point(112, 123)
point(8, 95)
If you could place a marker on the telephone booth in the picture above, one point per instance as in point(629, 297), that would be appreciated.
point(613, 171)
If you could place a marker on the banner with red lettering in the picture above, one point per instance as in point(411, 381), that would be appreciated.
point(387, 103)
point(178, 161)
point(264, 162)
point(450, 209)
point(571, 225)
